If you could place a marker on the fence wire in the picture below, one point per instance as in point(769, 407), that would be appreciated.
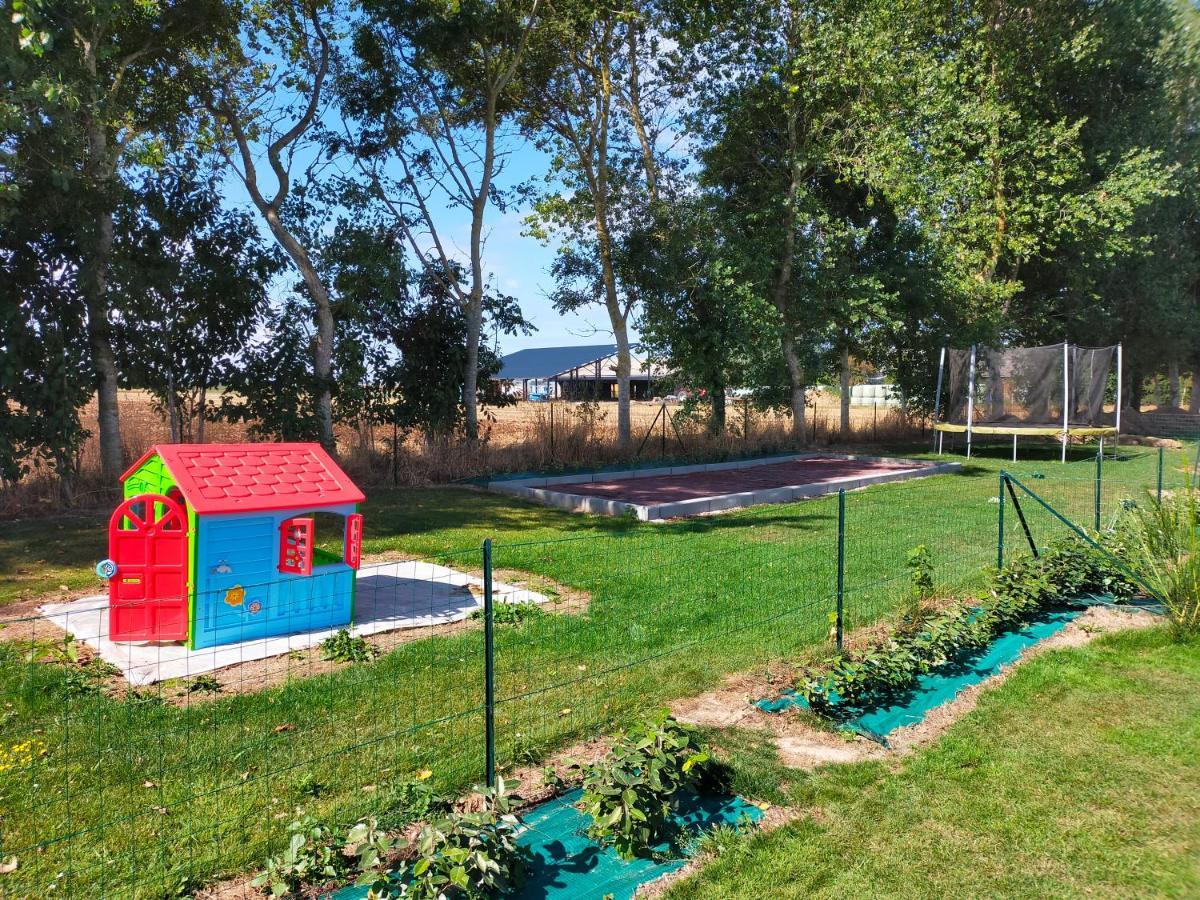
point(190, 777)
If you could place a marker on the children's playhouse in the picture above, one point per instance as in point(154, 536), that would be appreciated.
point(217, 543)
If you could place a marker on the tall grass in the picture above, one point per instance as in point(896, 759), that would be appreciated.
point(1166, 544)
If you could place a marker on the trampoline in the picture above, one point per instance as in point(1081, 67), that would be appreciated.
point(1055, 391)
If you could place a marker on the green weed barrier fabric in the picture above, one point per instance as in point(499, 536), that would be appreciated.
point(567, 865)
point(943, 684)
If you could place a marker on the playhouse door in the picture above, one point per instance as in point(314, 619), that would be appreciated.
point(147, 595)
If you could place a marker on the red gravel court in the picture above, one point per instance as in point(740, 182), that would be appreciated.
point(671, 488)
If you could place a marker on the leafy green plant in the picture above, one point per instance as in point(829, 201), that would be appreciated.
point(344, 647)
point(628, 792)
point(371, 846)
point(466, 854)
point(409, 800)
point(310, 856)
point(515, 614)
point(85, 680)
point(310, 786)
point(202, 684)
point(920, 574)
point(1020, 590)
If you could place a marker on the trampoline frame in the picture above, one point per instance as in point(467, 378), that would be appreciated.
point(1065, 431)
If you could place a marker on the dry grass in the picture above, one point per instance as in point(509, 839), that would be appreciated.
point(523, 437)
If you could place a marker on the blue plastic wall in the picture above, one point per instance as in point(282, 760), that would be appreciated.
point(240, 554)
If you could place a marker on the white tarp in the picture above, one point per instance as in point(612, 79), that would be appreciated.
point(388, 597)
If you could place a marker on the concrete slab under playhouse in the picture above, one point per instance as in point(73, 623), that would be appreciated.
point(387, 597)
point(670, 492)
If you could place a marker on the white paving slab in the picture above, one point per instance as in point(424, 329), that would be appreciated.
point(388, 597)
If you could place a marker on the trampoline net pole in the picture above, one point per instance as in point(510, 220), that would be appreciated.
point(970, 398)
point(1120, 378)
point(1066, 397)
point(937, 399)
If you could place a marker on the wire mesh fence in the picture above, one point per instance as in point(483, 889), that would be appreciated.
point(174, 769)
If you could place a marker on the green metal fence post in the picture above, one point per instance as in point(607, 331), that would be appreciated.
point(1160, 473)
point(1000, 531)
point(841, 566)
point(489, 669)
point(1099, 477)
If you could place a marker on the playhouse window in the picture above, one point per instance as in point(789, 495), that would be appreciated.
point(314, 539)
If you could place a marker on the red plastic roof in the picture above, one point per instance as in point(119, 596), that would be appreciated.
point(228, 478)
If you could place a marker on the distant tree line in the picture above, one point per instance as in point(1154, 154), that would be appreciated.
point(276, 211)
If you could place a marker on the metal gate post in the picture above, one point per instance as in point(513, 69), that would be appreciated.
point(1160, 473)
point(841, 567)
point(1099, 478)
point(489, 669)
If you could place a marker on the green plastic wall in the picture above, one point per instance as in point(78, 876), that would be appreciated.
point(153, 477)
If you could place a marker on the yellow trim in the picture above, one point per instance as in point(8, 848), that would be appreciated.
point(1034, 430)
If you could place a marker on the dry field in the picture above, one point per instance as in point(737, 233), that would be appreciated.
point(522, 437)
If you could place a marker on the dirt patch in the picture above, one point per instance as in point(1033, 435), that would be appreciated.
point(530, 782)
point(805, 742)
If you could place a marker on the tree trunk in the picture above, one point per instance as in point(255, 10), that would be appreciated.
point(624, 368)
point(716, 420)
point(1194, 395)
point(475, 301)
point(1176, 394)
point(104, 362)
point(322, 313)
point(844, 423)
point(203, 408)
point(796, 376)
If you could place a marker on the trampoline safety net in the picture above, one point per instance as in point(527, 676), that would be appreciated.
point(1024, 385)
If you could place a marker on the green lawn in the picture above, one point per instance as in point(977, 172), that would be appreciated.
point(1077, 777)
point(134, 797)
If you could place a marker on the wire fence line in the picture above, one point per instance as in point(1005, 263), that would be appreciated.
point(473, 661)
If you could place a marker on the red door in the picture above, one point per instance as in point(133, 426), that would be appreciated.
point(147, 595)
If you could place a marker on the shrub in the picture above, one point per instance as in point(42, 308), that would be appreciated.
point(628, 793)
point(472, 853)
point(1166, 553)
point(310, 856)
point(920, 574)
point(342, 647)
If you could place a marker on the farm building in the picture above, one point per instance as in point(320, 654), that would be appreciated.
point(574, 373)
point(217, 543)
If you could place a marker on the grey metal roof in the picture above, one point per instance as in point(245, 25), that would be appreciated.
point(546, 362)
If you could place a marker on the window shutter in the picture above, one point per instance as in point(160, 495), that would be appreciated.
point(354, 526)
point(296, 546)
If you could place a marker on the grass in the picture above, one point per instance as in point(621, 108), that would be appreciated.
point(137, 797)
point(1078, 777)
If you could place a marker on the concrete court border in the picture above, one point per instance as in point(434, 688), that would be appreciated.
point(534, 489)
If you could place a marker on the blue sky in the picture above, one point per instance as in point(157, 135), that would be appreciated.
point(518, 265)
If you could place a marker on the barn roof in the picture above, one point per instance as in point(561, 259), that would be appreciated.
point(227, 478)
point(546, 362)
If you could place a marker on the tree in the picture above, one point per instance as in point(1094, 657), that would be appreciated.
point(427, 102)
point(99, 86)
point(266, 94)
point(427, 380)
point(774, 127)
point(191, 280)
point(697, 314)
point(577, 107)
